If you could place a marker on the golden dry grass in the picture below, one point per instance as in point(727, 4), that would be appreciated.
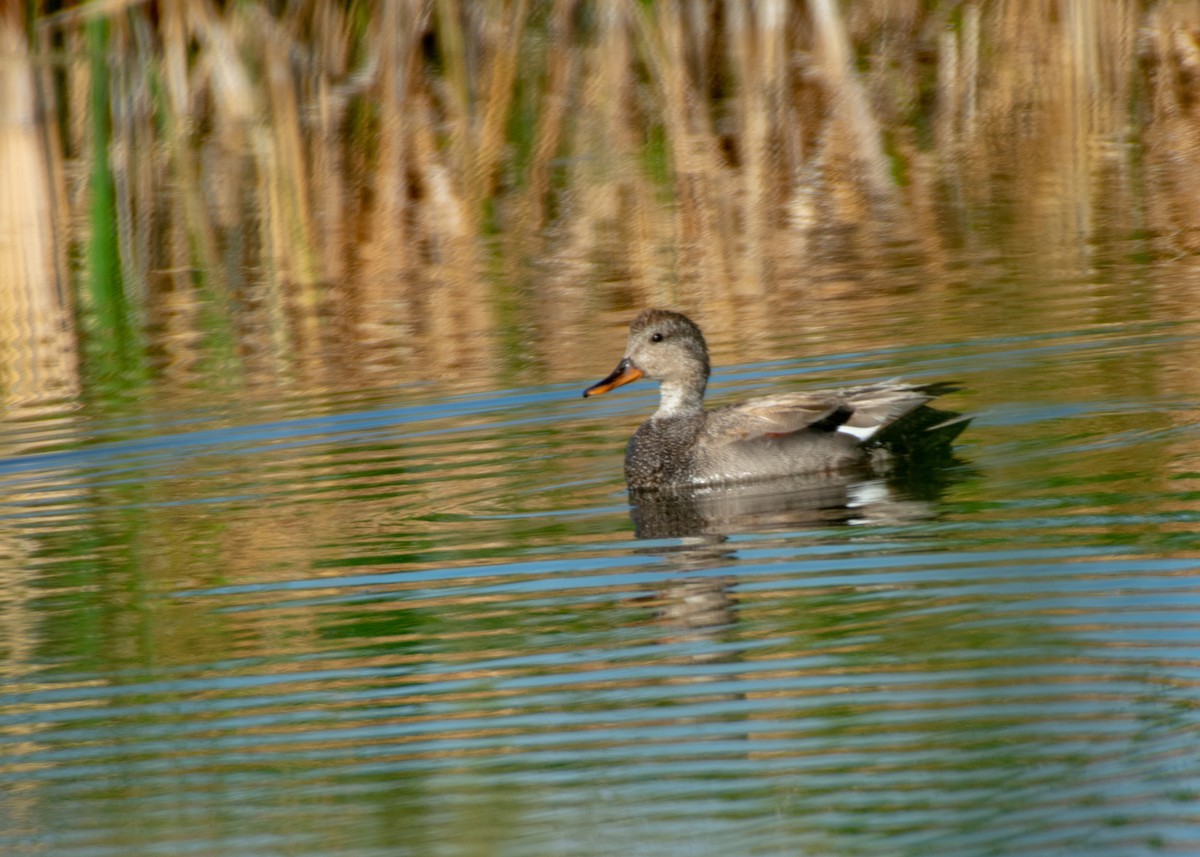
point(422, 188)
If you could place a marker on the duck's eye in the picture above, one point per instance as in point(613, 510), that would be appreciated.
point(656, 337)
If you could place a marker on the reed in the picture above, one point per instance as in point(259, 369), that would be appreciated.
point(38, 351)
point(297, 191)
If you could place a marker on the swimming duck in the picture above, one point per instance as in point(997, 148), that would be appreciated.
point(821, 432)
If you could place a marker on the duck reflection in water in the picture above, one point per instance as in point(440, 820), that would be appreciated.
point(785, 504)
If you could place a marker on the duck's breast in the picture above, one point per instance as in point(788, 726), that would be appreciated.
point(662, 452)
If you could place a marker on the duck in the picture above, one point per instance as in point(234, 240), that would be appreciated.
point(821, 432)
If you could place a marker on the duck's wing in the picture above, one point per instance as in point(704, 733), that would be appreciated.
point(776, 416)
point(859, 411)
point(876, 406)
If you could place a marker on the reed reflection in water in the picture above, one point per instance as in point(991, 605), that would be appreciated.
point(374, 622)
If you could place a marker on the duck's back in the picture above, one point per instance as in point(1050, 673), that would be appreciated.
point(786, 434)
point(707, 448)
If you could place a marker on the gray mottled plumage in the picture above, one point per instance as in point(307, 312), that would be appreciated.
point(785, 434)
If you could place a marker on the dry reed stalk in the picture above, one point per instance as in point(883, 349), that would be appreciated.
point(561, 63)
point(158, 253)
point(1172, 139)
point(645, 225)
point(326, 116)
point(1070, 150)
point(281, 149)
point(388, 257)
point(705, 248)
point(455, 306)
point(715, 181)
point(129, 116)
point(969, 63)
point(38, 359)
point(215, 183)
point(948, 169)
point(497, 96)
point(851, 103)
point(601, 168)
point(757, 42)
point(216, 186)
point(205, 204)
point(271, 239)
point(1080, 84)
point(456, 85)
point(948, 124)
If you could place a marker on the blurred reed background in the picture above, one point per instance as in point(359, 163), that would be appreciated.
point(319, 193)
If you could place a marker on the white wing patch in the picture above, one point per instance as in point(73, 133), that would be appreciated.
point(860, 432)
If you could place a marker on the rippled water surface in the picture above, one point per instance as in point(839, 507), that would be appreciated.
point(421, 621)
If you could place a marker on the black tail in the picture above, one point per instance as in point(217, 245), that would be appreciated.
point(917, 451)
point(924, 431)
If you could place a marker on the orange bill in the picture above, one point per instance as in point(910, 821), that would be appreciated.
point(623, 374)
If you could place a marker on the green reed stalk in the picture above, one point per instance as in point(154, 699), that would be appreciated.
point(103, 253)
point(116, 360)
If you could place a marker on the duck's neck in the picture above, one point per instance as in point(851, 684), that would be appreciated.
point(679, 399)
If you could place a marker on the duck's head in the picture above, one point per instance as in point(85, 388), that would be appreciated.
point(663, 346)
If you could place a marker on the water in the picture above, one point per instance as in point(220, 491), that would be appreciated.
point(420, 620)
point(309, 544)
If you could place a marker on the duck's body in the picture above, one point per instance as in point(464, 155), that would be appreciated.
point(763, 438)
point(758, 439)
